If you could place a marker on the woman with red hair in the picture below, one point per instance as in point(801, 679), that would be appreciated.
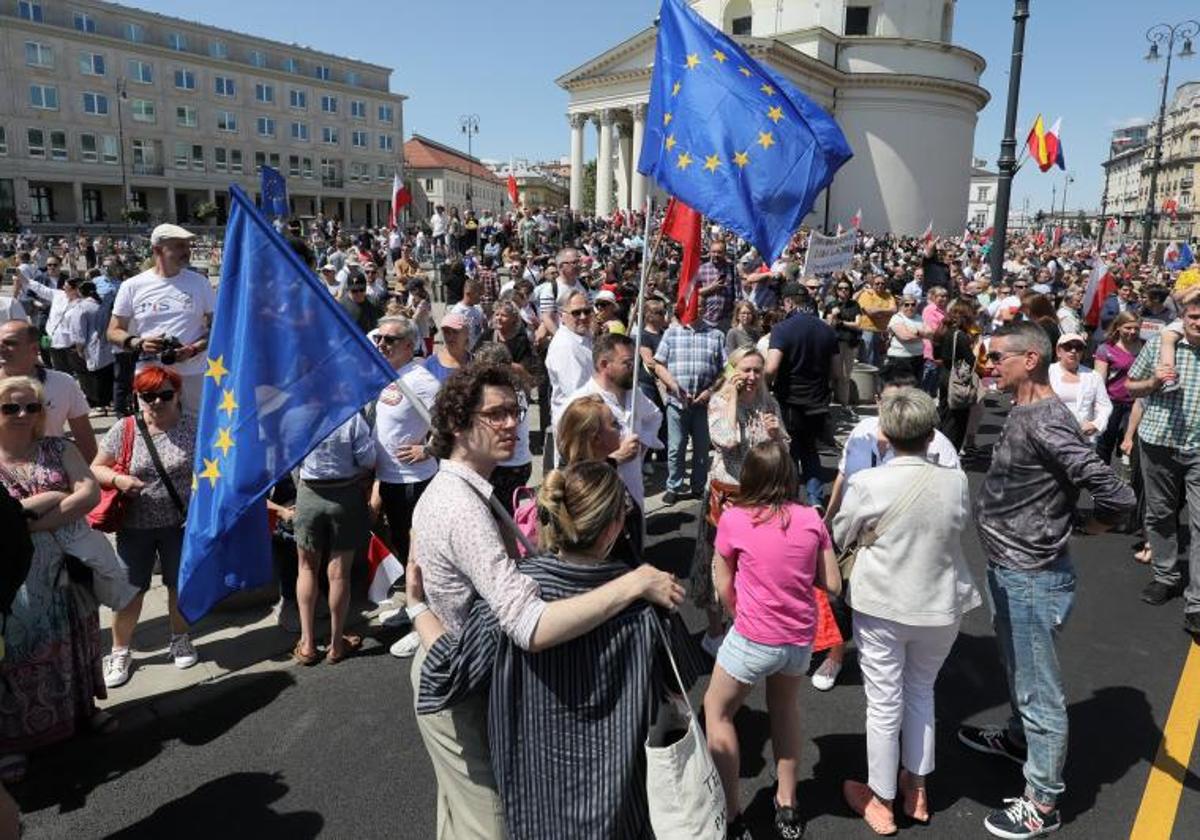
point(152, 528)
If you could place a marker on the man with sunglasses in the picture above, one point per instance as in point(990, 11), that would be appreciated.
point(569, 358)
point(1024, 514)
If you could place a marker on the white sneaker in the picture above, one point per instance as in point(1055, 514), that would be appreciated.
point(712, 644)
point(117, 667)
point(182, 651)
point(394, 618)
point(825, 676)
point(287, 615)
point(406, 646)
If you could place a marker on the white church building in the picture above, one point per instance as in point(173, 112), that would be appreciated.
point(888, 71)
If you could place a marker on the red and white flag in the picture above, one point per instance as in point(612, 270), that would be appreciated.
point(856, 219)
point(1171, 254)
point(986, 235)
point(682, 224)
point(966, 237)
point(512, 187)
point(401, 198)
point(927, 236)
point(383, 569)
point(1112, 224)
point(1100, 285)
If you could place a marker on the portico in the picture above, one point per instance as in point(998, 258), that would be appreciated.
point(619, 132)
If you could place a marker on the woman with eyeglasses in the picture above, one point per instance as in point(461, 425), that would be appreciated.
point(50, 675)
point(1079, 387)
point(906, 331)
point(152, 528)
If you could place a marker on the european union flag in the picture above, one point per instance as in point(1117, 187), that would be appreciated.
point(274, 193)
point(286, 366)
point(732, 139)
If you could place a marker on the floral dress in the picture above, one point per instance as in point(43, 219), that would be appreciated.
point(51, 673)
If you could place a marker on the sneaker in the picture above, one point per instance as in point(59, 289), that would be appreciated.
point(712, 644)
point(1191, 624)
point(182, 651)
point(788, 824)
point(993, 740)
point(1021, 818)
point(394, 618)
point(825, 676)
point(406, 646)
point(287, 615)
point(117, 667)
point(669, 498)
point(1156, 593)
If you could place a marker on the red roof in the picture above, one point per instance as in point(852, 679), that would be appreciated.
point(423, 153)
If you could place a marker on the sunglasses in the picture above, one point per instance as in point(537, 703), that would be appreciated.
point(1073, 347)
point(389, 340)
point(13, 409)
point(152, 397)
point(580, 313)
point(995, 356)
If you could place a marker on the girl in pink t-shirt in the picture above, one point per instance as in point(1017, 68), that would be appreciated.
point(770, 552)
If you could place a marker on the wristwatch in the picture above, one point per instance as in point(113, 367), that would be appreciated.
point(129, 341)
point(414, 610)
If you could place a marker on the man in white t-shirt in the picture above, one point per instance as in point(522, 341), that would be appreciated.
point(169, 301)
point(64, 403)
point(551, 297)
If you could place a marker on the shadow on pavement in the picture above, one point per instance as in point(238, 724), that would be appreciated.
point(237, 805)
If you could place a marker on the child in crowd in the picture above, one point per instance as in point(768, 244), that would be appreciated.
point(1171, 334)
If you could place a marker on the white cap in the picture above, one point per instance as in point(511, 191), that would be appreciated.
point(604, 295)
point(165, 232)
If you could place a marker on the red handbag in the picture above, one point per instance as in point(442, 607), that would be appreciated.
point(108, 515)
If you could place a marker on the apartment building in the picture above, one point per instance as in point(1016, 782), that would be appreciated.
point(102, 99)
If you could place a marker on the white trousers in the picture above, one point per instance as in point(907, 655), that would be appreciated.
point(900, 664)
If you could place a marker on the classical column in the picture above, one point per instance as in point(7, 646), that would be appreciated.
point(171, 204)
point(77, 199)
point(604, 161)
point(577, 122)
point(624, 164)
point(638, 181)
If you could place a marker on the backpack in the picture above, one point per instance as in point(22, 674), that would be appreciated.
point(525, 514)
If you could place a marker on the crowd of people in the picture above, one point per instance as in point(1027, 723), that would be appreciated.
point(902, 348)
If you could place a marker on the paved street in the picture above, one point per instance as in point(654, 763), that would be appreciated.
point(273, 750)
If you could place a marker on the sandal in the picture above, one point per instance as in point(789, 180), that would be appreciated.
point(305, 659)
point(13, 768)
point(103, 723)
point(350, 646)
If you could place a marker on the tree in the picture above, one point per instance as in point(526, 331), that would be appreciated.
point(589, 187)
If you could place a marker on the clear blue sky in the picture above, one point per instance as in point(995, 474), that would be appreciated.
point(1083, 62)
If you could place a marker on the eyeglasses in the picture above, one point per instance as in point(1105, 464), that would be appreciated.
point(1073, 347)
point(995, 356)
point(166, 395)
point(497, 416)
point(907, 304)
point(13, 409)
point(1018, 286)
point(388, 340)
point(582, 312)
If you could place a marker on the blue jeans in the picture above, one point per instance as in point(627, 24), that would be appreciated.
point(1028, 611)
point(684, 423)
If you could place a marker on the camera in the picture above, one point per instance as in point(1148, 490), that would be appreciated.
point(170, 345)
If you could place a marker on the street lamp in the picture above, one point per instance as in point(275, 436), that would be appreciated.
point(469, 124)
point(1068, 179)
point(1007, 164)
point(1163, 34)
point(121, 140)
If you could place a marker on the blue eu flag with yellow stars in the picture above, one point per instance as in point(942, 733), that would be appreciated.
point(730, 138)
point(286, 367)
point(274, 192)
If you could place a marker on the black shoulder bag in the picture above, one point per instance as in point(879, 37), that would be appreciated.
point(158, 465)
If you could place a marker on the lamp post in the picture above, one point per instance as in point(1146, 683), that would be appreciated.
point(1007, 163)
point(1068, 179)
point(469, 124)
point(121, 142)
point(1159, 34)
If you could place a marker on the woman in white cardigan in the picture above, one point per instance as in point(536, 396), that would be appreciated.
point(909, 589)
point(1080, 388)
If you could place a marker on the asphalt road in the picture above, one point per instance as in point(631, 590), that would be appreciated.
point(333, 751)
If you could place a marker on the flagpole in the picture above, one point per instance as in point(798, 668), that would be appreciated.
point(640, 308)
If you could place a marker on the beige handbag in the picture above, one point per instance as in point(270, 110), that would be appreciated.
point(867, 538)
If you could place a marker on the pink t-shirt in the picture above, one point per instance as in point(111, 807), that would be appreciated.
point(773, 573)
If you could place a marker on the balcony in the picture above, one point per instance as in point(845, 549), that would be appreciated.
point(334, 181)
point(147, 168)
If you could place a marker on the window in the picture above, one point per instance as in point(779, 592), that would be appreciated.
point(428, 185)
point(85, 23)
point(300, 131)
point(385, 114)
point(44, 97)
point(329, 134)
point(181, 154)
point(198, 157)
point(741, 25)
point(91, 64)
point(307, 166)
point(58, 145)
point(266, 127)
point(386, 143)
point(141, 72)
point(258, 58)
point(42, 201)
point(351, 77)
point(93, 207)
point(89, 152)
point(108, 149)
point(260, 160)
point(981, 193)
point(226, 121)
point(3, 140)
point(30, 11)
point(329, 104)
point(358, 109)
point(177, 41)
point(289, 65)
point(264, 93)
point(331, 173)
point(95, 104)
point(185, 80)
point(137, 198)
point(38, 55)
point(36, 140)
point(358, 139)
point(134, 32)
point(235, 160)
point(220, 159)
point(381, 172)
point(224, 86)
point(298, 99)
point(321, 72)
point(143, 111)
point(294, 166)
point(858, 19)
point(185, 115)
point(218, 49)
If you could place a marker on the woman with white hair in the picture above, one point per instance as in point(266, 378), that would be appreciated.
point(909, 588)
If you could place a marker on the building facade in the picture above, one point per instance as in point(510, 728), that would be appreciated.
point(102, 99)
point(904, 95)
point(442, 176)
point(981, 200)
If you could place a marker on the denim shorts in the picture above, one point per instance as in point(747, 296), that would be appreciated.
point(748, 662)
point(140, 548)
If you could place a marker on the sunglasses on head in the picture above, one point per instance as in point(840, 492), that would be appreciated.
point(13, 409)
point(165, 395)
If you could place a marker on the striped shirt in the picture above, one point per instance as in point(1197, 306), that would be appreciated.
point(1171, 417)
point(566, 726)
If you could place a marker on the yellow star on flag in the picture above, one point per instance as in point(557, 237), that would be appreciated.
point(685, 160)
point(670, 142)
point(224, 442)
point(675, 88)
point(719, 56)
point(775, 114)
point(211, 472)
point(667, 118)
point(692, 61)
point(767, 89)
point(216, 369)
point(765, 139)
point(741, 159)
point(711, 163)
point(228, 405)
point(745, 71)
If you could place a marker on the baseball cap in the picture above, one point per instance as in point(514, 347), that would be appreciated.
point(164, 232)
point(328, 267)
point(604, 295)
point(1068, 337)
point(453, 321)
